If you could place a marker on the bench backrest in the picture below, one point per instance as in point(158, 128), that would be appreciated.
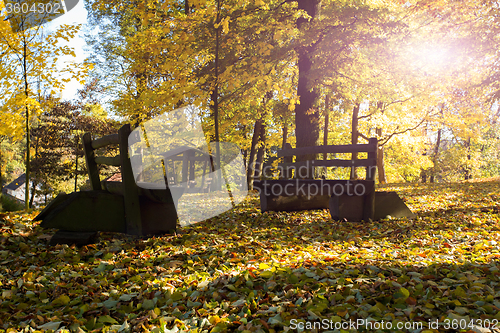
point(370, 162)
point(130, 189)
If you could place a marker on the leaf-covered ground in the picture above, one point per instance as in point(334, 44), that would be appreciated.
point(272, 272)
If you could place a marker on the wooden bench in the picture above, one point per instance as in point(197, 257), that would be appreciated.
point(119, 206)
point(344, 198)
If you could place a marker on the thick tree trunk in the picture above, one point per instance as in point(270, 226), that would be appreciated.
point(251, 166)
point(306, 115)
point(307, 128)
point(325, 132)
point(215, 102)
point(354, 137)
point(382, 179)
point(327, 120)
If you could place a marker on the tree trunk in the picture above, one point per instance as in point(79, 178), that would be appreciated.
point(435, 157)
point(423, 174)
point(307, 126)
point(327, 120)
point(244, 152)
point(1, 164)
point(215, 101)
point(34, 183)
point(306, 115)
point(261, 151)
point(285, 134)
point(325, 133)
point(26, 92)
point(382, 179)
point(436, 149)
point(253, 154)
point(468, 174)
point(76, 162)
point(32, 194)
point(354, 137)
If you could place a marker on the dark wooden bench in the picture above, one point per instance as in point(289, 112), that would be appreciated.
point(119, 206)
point(298, 190)
point(149, 208)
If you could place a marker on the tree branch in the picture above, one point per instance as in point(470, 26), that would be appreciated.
point(363, 136)
point(383, 142)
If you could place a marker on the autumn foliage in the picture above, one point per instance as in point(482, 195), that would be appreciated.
point(244, 271)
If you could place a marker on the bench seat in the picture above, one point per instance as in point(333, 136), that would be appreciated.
point(346, 199)
point(306, 194)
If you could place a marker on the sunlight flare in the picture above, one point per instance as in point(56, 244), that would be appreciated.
point(432, 57)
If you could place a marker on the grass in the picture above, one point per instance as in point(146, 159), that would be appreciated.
point(273, 272)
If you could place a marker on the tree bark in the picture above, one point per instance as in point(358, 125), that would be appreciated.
point(28, 158)
point(435, 157)
point(261, 151)
point(215, 101)
point(253, 153)
point(76, 161)
point(436, 149)
point(382, 179)
point(306, 115)
point(285, 134)
point(325, 132)
point(354, 137)
point(327, 120)
point(423, 174)
point(468, 174)
point(1, 174)
point(307, 128)
point(244, 152)
point(32, 194)
point(34, 183)
point(256, 158)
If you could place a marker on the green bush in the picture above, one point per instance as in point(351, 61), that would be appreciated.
point(9, 204)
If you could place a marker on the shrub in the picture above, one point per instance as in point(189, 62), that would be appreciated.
point(9, 204)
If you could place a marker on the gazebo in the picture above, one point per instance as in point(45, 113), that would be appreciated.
point(189, 157)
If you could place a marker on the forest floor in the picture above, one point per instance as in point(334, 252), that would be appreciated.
point(272, 272)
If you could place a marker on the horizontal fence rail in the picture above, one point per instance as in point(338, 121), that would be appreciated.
point(331, 163)
point(334, 149)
